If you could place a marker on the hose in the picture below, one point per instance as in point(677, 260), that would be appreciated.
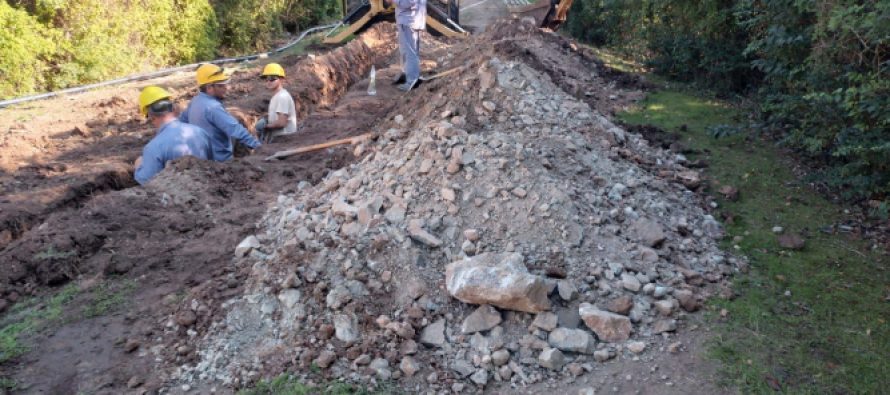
point(159, 73)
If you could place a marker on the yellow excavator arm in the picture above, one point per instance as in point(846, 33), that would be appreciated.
point(546, 13)
point(372, 11)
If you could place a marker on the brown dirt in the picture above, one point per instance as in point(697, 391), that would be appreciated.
point(68, 211)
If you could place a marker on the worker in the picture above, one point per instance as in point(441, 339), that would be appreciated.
point(282, 116)
point(410, 22)
point(173, 140)
point(206, 110)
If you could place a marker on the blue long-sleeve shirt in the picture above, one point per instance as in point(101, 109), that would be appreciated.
point(411, 13)
point(174, 140)
point(208, 113)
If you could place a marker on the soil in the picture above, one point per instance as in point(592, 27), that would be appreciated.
point(71, 213)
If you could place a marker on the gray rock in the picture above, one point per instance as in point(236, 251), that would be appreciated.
point(338, 297)
point(636, 347)
point(546, 321)
point(289, 297)
point(500, 357)
point(346, 328)
point(343, 209)
point(501, 280)
point(462, 368)
point(602, 355)
point(480, 377)
point(648, 232)
point(380, 366)
point(609, 327)
point(325, 359)
point(395, 214)
point(434, 334)
point(568, 317)
point(664, 307)
point(662, 326)
point(551, 358)
point(472, 235)
point(572, 340)
point(567, 290)
point(416, 231)
point(630, 282)
point(617, 192)
point(246, 246)
point(484, 318)
point(409, 366)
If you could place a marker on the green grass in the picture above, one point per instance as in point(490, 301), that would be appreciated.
point(286, 384)
point(108, 297)
point(830, 334)
point(27, 316)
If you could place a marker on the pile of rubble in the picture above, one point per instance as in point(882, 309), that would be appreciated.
point(500, 233)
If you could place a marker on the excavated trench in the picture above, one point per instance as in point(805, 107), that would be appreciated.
point(172, 237)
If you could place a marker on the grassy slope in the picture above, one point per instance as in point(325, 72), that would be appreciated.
point(810, 321)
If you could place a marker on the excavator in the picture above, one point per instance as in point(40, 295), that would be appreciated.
point(442, 18)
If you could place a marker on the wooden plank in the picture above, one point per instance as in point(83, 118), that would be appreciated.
point(442, 74)
point(316, 147)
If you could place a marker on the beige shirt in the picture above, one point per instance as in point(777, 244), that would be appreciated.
point(283, 103)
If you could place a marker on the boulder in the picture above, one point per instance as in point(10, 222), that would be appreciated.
point(608, 326)
point(484, 318)
point(497, 279)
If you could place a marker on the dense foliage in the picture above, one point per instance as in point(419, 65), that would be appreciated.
point(52, 44)
point(820, 69)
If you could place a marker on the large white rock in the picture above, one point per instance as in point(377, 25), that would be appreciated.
point(497, 279)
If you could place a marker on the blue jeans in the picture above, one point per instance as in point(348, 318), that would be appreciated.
point(409, 49)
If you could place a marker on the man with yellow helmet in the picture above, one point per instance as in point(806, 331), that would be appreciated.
point(206, 111)
point(173, 140)
point(282, 116)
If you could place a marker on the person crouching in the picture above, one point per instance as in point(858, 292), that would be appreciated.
point(282, 116)
point(173, 140)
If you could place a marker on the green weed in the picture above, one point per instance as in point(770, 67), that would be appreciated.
point(108, 297)
point(810, 321)
point(28, 316)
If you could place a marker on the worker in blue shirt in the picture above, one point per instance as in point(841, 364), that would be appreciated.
point(206, 111)
point(173, 140)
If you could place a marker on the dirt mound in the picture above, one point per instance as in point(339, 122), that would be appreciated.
point(496, 164)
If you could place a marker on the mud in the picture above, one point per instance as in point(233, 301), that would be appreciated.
point(70, 213)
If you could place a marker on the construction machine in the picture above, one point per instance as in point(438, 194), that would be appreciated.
point(359, 15)
point(368, 12)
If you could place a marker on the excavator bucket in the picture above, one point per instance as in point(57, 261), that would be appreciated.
point(546, 13)
point(368, 12)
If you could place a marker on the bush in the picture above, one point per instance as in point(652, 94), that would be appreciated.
point(820, 69)
point(52, 44)
point(25, 51)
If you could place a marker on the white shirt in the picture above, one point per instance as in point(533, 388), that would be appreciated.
point(283, 103)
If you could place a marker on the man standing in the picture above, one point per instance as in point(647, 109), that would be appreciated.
point(206, 111)
point(282, 117)
point(410, 21)
point(173, 140)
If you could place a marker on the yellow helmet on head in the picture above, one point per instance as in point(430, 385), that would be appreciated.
point(210, 74)
point(151, 95)
point(273, 69)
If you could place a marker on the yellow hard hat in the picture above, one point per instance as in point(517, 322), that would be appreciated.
point(210, 74)
point(273, 69)
point(151, 95)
